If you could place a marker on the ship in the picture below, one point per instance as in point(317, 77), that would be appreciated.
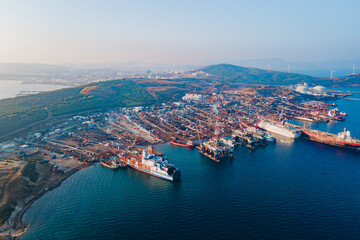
point(260, 134)
point(308, 119)
point(329, 114)
point(151, 163)
point(182, 143)
point(113, 164)
point(215, 149)
point(342, 139)
point(228, 142)
point(246, 138)
point(340, 113)
point(279, 128)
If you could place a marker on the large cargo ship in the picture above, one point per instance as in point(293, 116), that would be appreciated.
point(342, 139)
point(279, 128)
point(151, 163)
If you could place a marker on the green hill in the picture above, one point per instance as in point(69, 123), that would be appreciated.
point(232, 73)
point(23, 111)
point(237, 74)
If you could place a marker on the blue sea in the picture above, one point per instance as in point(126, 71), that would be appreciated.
point(288, 190)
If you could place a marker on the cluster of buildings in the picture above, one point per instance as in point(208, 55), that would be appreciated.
point(193, 97)
point(199, 113)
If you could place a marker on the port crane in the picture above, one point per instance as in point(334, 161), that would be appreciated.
point(47, 145)
point(197, 129)
point(133, 144)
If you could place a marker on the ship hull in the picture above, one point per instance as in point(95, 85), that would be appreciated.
point(330, 141)
point(304, 119)
point(146, 169)
point(180, 144)
point(108, 166)
point(279, 131)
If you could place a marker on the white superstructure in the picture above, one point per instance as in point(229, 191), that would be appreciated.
point(151, 163)
point(280, 129)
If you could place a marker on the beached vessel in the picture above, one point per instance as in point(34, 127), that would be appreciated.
point(342, 139)
point(279, 128)
point(113, 164)
point(151, 163)
point(189, 144)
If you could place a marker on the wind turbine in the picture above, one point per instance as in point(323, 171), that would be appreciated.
point(288, 68)
point(354, 68)
point(331, 73)
point(268, 67)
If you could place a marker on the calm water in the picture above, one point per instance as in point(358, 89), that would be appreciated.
point(9, 89)
point(289, 190)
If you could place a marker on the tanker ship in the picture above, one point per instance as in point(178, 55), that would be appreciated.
point(151, 163)
point(342, 139)
point(279, 128)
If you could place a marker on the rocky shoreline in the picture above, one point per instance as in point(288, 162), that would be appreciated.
point(14, 227)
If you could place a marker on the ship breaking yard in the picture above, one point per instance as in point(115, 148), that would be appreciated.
point(214, 123)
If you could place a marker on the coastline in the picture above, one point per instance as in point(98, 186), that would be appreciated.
point(14, 226)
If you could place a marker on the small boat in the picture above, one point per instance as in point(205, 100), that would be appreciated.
point(342, 114)
point(113, 164)
point(182, 143)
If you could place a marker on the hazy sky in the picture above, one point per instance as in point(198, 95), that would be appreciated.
point(182, 31)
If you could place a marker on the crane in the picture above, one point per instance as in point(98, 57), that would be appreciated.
point(133, 144)
point(47, 145)
point(197, 129)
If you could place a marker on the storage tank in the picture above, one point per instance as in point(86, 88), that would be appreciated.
point(302, 89)
point(320, 89)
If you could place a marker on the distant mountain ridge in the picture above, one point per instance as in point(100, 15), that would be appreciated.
point(248, 75)
point(22, 68)
point(312, 68)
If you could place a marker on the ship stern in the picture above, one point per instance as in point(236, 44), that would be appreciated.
point(176, 175)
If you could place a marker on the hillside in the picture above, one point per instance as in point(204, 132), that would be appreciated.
point(22, 111)
point(237, 74)
point(352, 80)
point(233, 73)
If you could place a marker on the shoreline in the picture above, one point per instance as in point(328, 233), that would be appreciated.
point(29, 82)
point(18, 228)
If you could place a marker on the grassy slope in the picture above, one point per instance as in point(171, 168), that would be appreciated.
point(22, 111)
point(232, 73)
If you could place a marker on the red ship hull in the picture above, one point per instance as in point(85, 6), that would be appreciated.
point(330, 141)
point(181, 144)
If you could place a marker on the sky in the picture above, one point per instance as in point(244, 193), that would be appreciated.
point(178, 32)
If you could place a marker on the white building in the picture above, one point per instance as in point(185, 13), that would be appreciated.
point(319, 89)
point(193, 97)
point(302, 88)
